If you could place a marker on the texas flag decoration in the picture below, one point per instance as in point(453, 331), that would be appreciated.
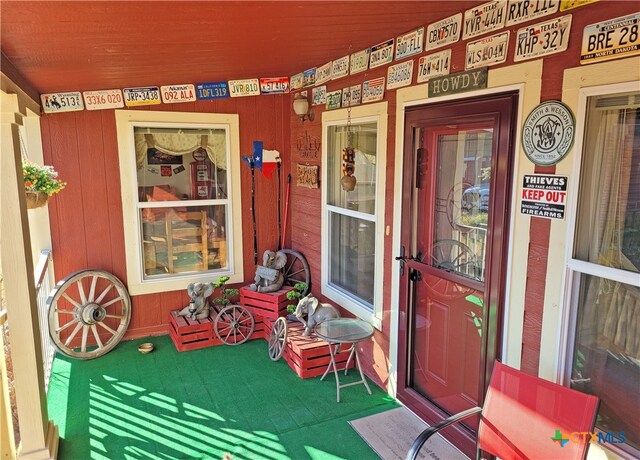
point(265, 160)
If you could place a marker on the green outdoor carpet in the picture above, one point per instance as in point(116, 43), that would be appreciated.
point(200, 404)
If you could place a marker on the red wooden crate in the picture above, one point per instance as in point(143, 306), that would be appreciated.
point(307, 356)
point(189, 334)
point(266, 304)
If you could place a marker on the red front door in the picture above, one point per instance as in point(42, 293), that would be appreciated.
point(457, 184)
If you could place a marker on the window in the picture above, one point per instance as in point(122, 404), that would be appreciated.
point(180, 189)
point(353, 216)
point(605, 264)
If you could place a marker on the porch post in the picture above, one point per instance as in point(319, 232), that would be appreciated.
point(37, 434)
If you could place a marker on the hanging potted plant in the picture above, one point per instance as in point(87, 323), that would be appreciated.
point(40, 182)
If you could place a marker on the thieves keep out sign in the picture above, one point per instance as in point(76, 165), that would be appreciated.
point(544, 196)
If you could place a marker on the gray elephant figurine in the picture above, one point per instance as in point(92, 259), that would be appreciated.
point(198, 308)
point(269, 275)
point(316, 313)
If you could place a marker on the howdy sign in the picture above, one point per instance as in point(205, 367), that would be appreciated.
point(460, 82)
point(544, 195)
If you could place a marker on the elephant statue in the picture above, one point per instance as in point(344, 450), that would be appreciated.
point(269, 275)
point(198, 307)
point(316, 313)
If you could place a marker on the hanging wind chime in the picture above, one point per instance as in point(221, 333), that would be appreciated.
point(348, 180)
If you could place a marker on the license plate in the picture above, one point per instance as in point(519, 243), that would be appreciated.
point(444, 32)
point(373, 90)
point(484, 18)
point(381, 54)
point(173, 94)
point(490, 50)
point(543, 38)
point(340, 67)
point(611, 39)
point(103, 99)
point(141, 96)
point(359, 61)
point(319, 95)
point(351, 96)
point(400, 75)
point(212, 90)
point(434, 65)
point(334, 98)
point(295, 82)
point(62, 102)
point(323, 73)
point(242, 88)
point(276, 85)
point(309, 77)
point(566, 5)
point(410, 44)
point(519, 11)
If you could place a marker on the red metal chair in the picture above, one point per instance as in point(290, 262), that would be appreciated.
point(526, 417)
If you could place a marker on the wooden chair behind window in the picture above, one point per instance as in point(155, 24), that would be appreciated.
point(187, 248)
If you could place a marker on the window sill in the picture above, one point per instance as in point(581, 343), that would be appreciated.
point(352, 306)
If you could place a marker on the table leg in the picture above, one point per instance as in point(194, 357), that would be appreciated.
point(353, 349)
point(361, 374)
point(332, 363)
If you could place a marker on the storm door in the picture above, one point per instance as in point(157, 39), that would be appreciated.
point(456, 200)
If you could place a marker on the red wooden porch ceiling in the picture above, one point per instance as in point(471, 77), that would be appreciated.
point(82, 45)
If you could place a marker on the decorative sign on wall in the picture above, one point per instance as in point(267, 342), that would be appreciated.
point(351, 96)
point(242, 88)
point(149, 95)
point(359, 61)
point(340, 67)
point(212, 90)
point(460, 82)
point(519, 11)
point(544, 195)
point(308, 146)
point(274, 85)
point(309, 77)
point(434, 65)
point(173, 94)
point(319, 95)
point(548, 133)
point(323, 73)
point(410, 43)
point(308, 176)
point(444, 32)
point(103, 99)
point(571, 4)
point(62, 102)
point(334, 99)
point(373, 90)
point(296, 81)
point(381, 54)
point(400, 75)
point(544, 38)
point(613, 39)
point(484, 18)
point(488, 51)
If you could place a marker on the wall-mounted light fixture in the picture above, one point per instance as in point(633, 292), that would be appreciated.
point(301, 107)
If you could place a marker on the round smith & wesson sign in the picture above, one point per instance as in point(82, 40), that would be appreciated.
point(548, 133)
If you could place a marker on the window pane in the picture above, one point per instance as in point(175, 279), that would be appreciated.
point(183, 239)
point(608, 226)
point(180, 164)
point(352, 256)
point(364, 140)
point(606, 359)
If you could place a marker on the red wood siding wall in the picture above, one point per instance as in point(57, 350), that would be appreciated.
point(306, 203)
point(86, 220)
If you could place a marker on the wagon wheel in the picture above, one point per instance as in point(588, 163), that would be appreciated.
point(458, 207)
point(296, 270)
point(234, 324)
point(92, 302)
point(278, 339)
point(451, 256)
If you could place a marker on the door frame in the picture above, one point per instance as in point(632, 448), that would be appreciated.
point(527, 79)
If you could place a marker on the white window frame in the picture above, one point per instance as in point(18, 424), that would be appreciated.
point(126, 121)
point(372, 113)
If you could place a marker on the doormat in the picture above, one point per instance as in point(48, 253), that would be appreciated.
point(391, 433)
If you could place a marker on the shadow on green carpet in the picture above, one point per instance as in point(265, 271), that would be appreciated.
point(203, 403)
